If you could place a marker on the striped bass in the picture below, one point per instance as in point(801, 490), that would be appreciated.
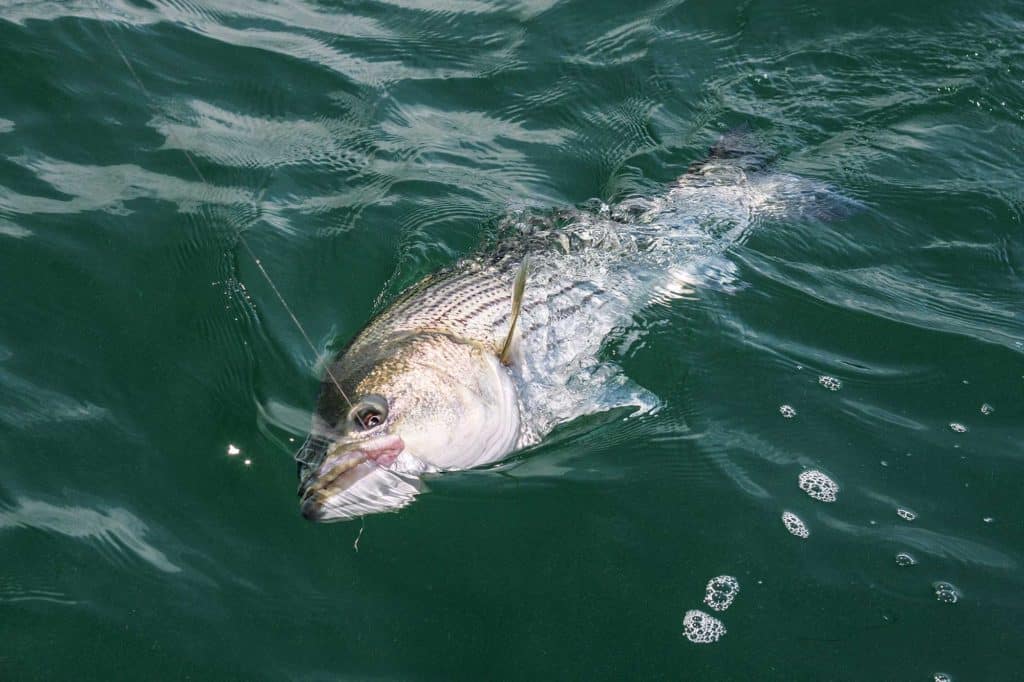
point(489, 355)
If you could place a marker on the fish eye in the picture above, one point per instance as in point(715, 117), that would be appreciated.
point(371, 411)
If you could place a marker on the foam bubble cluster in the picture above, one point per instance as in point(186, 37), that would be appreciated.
point(818, 485)
point(702, 628)
point(942, 677)
point(721, 592)
point(987, 409)
point(906, 514)
point(946, 592)
point(787, 411)
point(958, 427)
point(903, 560)
point(794, 525)
point(831, 383)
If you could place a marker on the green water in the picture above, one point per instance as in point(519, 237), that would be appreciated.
point(363, 145)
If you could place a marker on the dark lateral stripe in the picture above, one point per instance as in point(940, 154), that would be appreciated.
point(461, 298)
point(477, 311)
point(562, 310)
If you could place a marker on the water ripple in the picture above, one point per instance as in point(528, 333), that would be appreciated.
point(247, 141)
point(109, 188)
point(932, 543)
point(114, 531)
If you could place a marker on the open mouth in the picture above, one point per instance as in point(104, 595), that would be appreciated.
point(353, 479)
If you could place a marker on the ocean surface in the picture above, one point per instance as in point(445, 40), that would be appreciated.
point(153, 389)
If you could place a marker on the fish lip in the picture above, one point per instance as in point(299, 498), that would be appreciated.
point(344, 465)
point(376, 491)
point(312, 510)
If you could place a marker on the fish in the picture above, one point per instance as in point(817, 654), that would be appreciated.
point(487, 356)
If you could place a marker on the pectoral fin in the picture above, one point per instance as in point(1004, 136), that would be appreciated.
point(517, 302)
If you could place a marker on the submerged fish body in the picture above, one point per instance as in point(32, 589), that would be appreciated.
point(442, 380)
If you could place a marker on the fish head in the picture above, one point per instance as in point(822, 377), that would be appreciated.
point(391, 411)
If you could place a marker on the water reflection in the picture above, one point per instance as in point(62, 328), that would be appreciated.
point(113, 531)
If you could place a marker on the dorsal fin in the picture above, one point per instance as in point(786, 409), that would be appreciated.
point(517, 303)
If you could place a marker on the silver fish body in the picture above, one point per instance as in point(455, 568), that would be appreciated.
point(421, 388)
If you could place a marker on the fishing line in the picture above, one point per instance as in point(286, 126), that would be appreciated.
point(355, 545)
point(237, 230)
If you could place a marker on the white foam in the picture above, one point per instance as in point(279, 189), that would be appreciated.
point(702, 628)
point(942, 677)
point(987, 409)
point(818, 485)
point(787, 411)
point(958, 427)
point(906, 514)
point(794, 525)
point(947, 593)
point(831, 383)
point(721, 591)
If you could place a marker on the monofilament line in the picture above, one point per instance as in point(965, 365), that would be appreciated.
point(237, 230)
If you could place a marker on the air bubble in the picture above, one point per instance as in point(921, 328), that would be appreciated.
point(987, 409)
point(721, 592)
point(904, 559)
point(906, 514)
point(946, 592)
point(831, 383)
point(233, 450)
point(988, 519)
point(787, 411)
point(942, 677)
point(818, 485)
point(702, 628)
point(958, 427)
